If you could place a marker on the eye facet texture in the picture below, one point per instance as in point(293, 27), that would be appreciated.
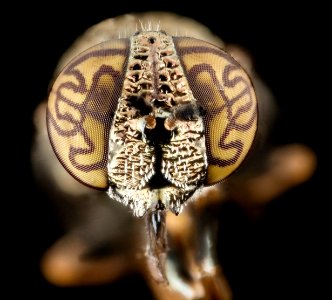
point(225, 92)
point(80, 110)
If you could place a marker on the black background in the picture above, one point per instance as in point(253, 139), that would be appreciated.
point(274, 257)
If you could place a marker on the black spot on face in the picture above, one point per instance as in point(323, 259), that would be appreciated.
point(136, 67)
point(152, 40)
point(157, 137)
point(202, 111)
point(165, 89)
point(141, 57)
point(140, 105)
point(187, 112)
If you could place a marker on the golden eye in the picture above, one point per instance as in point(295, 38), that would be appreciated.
point(224, 90)
point(80, 110)
point(151, 119)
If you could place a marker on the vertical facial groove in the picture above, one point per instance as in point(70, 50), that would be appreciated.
point(157, 145)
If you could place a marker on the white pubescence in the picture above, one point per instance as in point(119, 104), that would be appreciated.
point(154, 90)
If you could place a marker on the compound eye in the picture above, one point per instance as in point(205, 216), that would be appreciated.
point(226, 94)
point(80, 110)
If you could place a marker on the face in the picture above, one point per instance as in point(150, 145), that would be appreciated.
point(152, 119)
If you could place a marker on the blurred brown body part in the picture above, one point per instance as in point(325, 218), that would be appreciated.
point(104, 242)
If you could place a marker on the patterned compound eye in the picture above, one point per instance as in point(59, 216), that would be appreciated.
point(152, 119)
point(80, 110)
point(225, 91)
